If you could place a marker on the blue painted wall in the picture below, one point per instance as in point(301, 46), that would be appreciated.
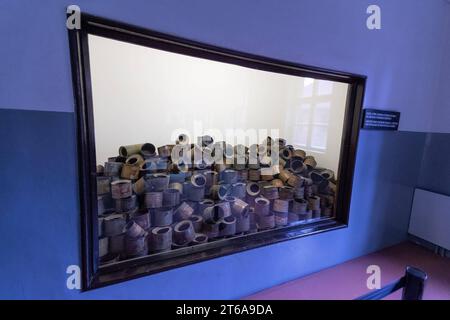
point(39, 225)
point(435, 170)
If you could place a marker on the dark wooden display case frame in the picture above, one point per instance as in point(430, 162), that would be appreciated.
point(94, 275)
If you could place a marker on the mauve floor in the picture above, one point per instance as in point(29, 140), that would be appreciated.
point(348, 280)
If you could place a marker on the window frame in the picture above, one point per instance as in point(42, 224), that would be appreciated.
point(94, 275)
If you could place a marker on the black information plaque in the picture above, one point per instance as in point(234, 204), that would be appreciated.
point(374, 119)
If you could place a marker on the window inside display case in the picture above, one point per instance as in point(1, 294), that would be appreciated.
point(190, 152)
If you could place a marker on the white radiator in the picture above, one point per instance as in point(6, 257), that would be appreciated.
point(430, 218)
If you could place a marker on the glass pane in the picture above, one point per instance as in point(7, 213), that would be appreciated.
point(167, 126)
point(308, 87)
point(300, 136)
point(322, 113)
point(324, 87)
point(319, 136)
point(304, 114)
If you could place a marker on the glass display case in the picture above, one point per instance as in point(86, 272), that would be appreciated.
point(189, 151)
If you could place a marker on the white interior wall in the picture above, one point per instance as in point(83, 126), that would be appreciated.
point(146, 95)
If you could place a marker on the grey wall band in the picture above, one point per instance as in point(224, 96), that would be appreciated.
point(112, 169)
point(161, 217)
point(121, 189)
point(197, 222)
point(199, 239)
point(183, 232)
point(113, 224)
point(227, 226)
point(160, 239)
point(171, 197)
point(153, 200)
point(183, 212)
point(126, 204)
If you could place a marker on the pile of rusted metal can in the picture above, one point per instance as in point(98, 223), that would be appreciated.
point(151, 200)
